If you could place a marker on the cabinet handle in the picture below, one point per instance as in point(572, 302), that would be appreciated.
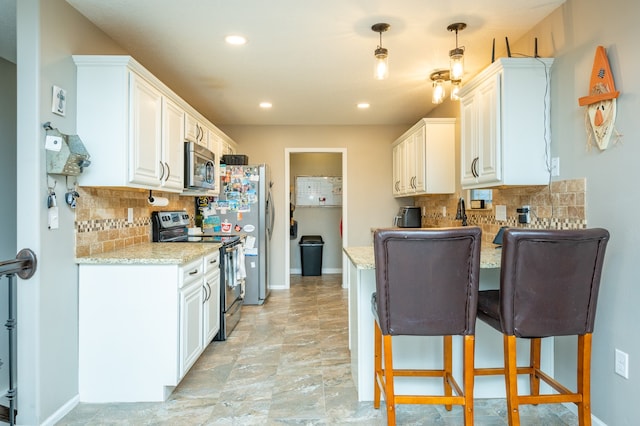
point(162, 171)
point(168, 171)
point(213, 262)
point(194, 272)
point(474, 167)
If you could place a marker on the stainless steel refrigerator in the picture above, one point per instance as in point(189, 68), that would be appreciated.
point(246, 207)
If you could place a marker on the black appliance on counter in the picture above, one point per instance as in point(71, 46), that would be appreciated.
point(172, 227)
point(408, 217)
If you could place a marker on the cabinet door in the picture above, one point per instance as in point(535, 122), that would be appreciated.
point(469, 139)
point(416, 158)
point(211, 306)
point(145, 132)
point(399, 184)
point(195, 131)
point(172, 145)
point(191, 297)
point(490, 141)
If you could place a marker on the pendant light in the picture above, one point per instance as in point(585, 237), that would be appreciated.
point(381, 69)
point(438, 78)
point(456, 56)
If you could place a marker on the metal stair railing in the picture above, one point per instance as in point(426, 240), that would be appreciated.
point(24, 266)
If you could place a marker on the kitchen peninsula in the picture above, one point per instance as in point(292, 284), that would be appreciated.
point(425, 352)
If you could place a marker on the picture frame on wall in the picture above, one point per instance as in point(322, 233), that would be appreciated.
point(59, 101)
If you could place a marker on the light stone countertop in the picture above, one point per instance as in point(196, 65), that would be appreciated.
point(151, 254)
point(362, 257)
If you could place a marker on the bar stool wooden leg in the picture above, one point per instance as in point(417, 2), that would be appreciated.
point(447, 355)
point(469, 354)
point(584, 379)
point(534, 358)
point(511, 379)
point(377, 364)
point(389, 395)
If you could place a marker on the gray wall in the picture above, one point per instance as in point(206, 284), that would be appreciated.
point(48, 302)
point(571, 35)
point(323, 221)
point(7, 195)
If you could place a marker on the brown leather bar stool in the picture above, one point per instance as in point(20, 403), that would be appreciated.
point(549, 283)
point(426, 285)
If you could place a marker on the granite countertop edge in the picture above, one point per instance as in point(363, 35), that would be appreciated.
point(151, 254)
point(362, 257)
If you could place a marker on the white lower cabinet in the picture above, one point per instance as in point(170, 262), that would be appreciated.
point(211, 302)
point(141, 327)
point(191, 315)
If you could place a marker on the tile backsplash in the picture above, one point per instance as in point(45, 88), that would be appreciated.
point(560, 205)
point(101, 217)
point(102, 225)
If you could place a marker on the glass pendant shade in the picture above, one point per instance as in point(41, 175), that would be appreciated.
point(456, 64)
point(381, 69)
point(455, 90)
point(438, 92)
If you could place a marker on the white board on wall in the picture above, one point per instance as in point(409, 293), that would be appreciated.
point(319, 191)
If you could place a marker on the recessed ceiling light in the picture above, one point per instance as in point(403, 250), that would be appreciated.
point(265, 105)
point(235, 39)
point(363, 105)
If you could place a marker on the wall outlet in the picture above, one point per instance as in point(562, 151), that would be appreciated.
point(621, 362)
point(130, 215)
point(501, 213)
point(555, 166)
point(444, 211)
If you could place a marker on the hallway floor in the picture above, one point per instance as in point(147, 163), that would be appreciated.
point(287, 363)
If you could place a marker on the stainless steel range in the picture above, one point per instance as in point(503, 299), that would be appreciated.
point(172, 227)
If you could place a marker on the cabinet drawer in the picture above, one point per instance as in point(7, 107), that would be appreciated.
point(212, 262)
point(191, 272)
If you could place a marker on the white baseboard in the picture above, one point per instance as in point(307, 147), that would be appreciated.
point(574, 409)
point(62, 411)
point(298, 271)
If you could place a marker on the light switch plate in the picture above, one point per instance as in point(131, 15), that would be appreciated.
point(501, 213)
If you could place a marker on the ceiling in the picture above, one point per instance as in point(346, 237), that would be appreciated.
point(313, 60)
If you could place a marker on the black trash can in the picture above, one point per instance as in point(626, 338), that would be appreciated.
point(311, 254)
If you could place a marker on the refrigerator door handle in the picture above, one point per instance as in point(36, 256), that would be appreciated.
point(271, 214)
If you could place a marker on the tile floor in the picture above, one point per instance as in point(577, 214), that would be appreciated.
point(287, 363)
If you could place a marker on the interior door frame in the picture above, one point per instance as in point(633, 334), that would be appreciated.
point(286, 200)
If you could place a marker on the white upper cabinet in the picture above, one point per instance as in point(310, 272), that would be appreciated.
point(157, 135)
point(196, 131)
point(424, 159)
point(145, 128)
point(172, 145)
point(133, 126)
point(505, 132)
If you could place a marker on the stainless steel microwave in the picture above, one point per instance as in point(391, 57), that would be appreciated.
point(199, 167)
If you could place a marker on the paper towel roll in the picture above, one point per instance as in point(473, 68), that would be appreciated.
point(158, 201)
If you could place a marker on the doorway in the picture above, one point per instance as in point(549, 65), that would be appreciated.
point(290, 154)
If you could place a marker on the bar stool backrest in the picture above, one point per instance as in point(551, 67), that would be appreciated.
point(549, 281)
point(427, 280)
